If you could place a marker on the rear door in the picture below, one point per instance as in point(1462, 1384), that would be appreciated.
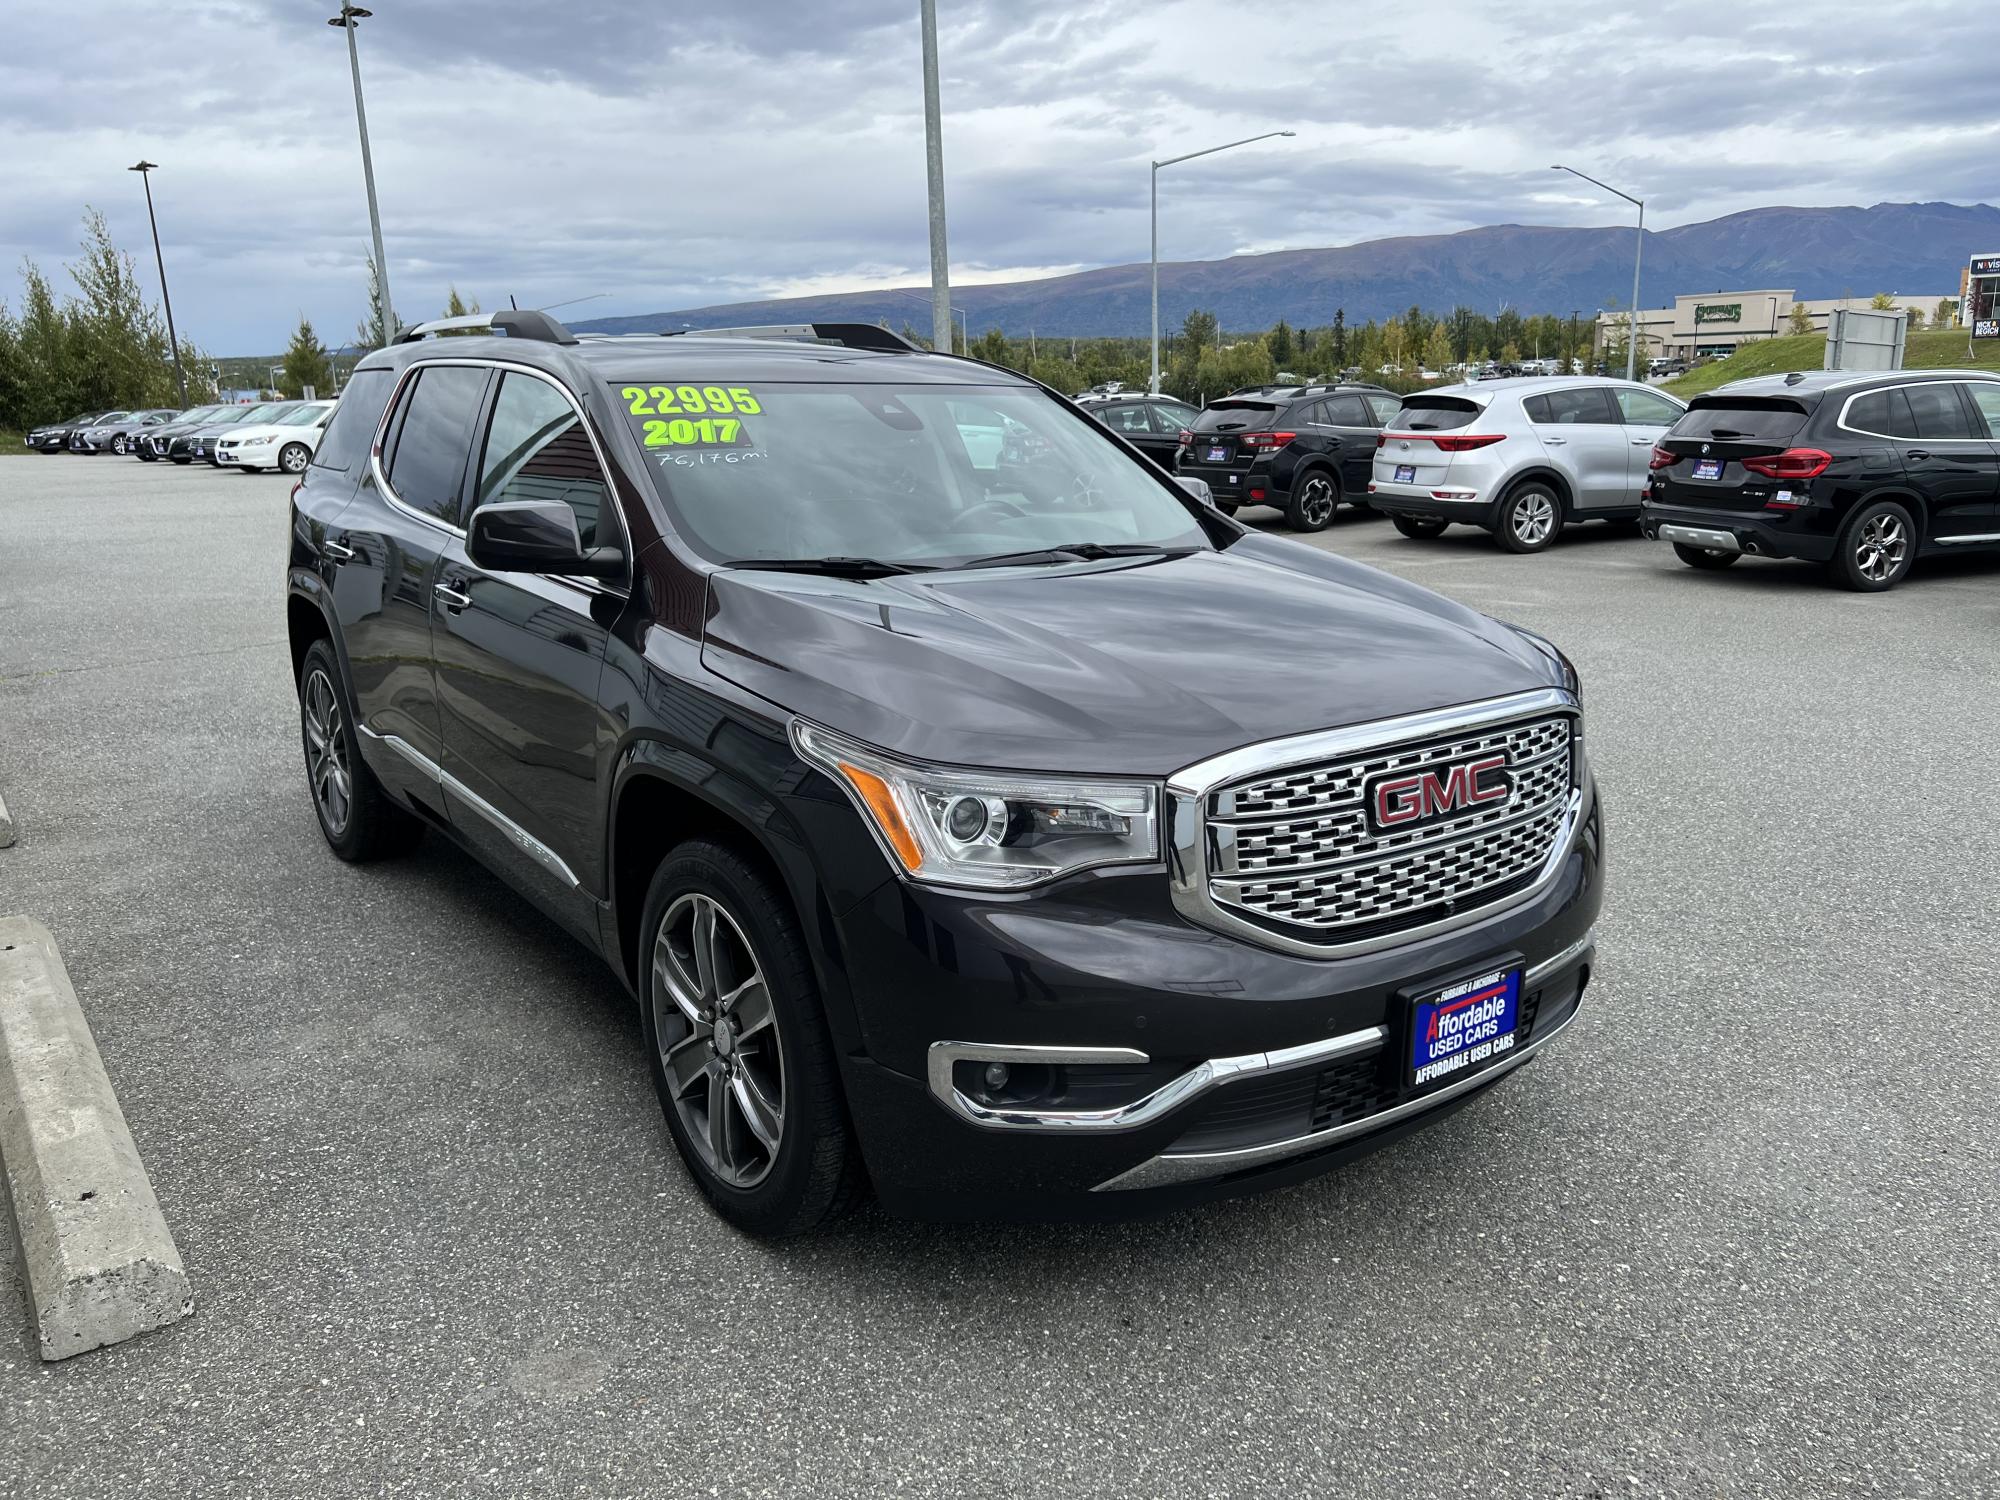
point(1129, 419)
point(1946, 457)
point(1170, 420)
point(1584, 433)
point(1647, 416)
point(1353, 424)
point(519, 656)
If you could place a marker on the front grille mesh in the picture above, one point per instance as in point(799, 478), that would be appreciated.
point(1295, 850)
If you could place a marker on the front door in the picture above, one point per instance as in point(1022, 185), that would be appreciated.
point(519, 656)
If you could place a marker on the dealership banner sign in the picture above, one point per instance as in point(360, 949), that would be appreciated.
point(1718, 312)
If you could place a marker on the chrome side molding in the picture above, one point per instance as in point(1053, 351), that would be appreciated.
point(457, 791)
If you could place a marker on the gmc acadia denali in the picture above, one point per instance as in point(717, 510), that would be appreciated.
point(976, 814)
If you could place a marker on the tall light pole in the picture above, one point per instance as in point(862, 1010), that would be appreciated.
point(145, 169)
point(1154, 385)
point(934, 161)
point(351, 16)
point(1632, 333)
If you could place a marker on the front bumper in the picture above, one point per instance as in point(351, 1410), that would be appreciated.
point(1246, 1066)
point(1761, 533)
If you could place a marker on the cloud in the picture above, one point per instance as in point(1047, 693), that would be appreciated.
point(668, 158)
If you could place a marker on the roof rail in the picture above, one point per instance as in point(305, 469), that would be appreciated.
point(518, 323)
point(849, 335)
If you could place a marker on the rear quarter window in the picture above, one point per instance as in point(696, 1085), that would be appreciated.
point(351, 428)
point(1742, 421)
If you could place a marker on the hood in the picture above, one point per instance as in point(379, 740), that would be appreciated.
point(1135, 667)
point(261, 430)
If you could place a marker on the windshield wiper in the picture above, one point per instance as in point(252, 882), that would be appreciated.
point(833, 567)
point(1071, 551)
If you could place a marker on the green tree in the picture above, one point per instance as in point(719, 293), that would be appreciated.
point(1881, 302)
point(1946, 314)
point(1395, 346)
point(1437, 348)
point(1507, 328)
point(456, 306)
point(1799, 320)
point(373, 331)
point(1339, 356)
point(1198, 332)
point(991, 346)
point(1280, 343)
point(1916, 318)
point(306, 363)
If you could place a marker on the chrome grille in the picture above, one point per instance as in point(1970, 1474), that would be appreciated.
point(1296, 848)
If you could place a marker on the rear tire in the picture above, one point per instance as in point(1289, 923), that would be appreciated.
point(1422, 528)
point(354, 812)
point(1314, 500)
point(1704, 557)
point(1876, 548)
point(1530, 518)
point(738, 1045)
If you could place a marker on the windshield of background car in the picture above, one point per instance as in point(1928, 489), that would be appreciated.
point(1435, 414)
point(1234, 414)
point(1741, 418)
point(930, 475)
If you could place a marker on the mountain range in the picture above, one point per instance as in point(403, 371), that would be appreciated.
point(1817, 252)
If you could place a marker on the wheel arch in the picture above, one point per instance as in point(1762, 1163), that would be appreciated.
point(1905, 496)
point(1547, 474)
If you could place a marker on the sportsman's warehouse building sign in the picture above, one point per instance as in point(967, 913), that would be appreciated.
point(1718, 312)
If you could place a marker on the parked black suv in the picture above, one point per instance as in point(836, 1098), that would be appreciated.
point(974, 813)
point(1152, 424)
point(1303, 450)
point(1864, 473)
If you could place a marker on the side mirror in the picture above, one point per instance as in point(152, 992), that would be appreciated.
point(1198, 488)
point(535, 536)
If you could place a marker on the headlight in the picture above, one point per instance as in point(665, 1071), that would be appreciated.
point(993, 829)
point(257, 442)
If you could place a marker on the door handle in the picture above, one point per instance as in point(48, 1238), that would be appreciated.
point(452, 599)
point(336, 551)
point(1555, 442)
point(1917, 453)
point(1642, 442)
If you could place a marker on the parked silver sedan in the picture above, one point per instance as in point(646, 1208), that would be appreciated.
point(1521, 458)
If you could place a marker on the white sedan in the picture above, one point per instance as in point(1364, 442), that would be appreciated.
point(286, 446)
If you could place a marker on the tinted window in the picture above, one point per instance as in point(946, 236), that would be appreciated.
point(1742, 421)
point(1436, 413)
point(1645, 409)
point(1883, 412)
point(1172, 419)
point(1585, 405)
point(1125, 418)
point(1382, 408)
point(355, 416)
point(436, 431)
point(1986, 396)
point(536, 449)
point(1939, 412)
point(1236, 415)
point(1345, 411)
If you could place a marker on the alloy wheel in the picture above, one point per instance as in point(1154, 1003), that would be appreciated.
point(718, 1040)
point(118, 444)
point(1534, 518)
point(1880, 548)
point(326, 751)
point(1316, 500)
point(293, 459)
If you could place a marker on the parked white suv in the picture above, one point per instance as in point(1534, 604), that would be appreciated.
point(1519, 457)
point(287, 446)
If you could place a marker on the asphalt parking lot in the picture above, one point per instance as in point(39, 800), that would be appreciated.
point(1738, 1234)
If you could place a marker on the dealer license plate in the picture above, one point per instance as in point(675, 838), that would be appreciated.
point(1708, 468)
point(1218, 453)
point(1463, 1027)
point(1406, 473)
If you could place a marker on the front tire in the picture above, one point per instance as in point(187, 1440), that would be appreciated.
point(1706, 558)
point(1421, 528)
point(118, 445)
point(738, 1046)
point(1313, 502)
point(1530, 517)
point(355, 813)
point(1877, 546)
point(293, 458)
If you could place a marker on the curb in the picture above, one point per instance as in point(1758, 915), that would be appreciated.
point(101, 1266)
point(6, 825)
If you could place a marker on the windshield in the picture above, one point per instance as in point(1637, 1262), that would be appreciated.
point(921, 475)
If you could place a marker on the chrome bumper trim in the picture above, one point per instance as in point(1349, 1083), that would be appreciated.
point(1169, 1168)
point(1700, 536)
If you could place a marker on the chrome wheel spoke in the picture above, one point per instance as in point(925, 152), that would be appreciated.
point(703, 944)
point(718, 1124)
point(758, 1112)
point(749, 1005)
point(687, 1062)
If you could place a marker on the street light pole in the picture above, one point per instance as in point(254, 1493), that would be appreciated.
point(1154, 385)
point(934, 165)
point(1632, 334)
point(145, 169)
point(349, 18)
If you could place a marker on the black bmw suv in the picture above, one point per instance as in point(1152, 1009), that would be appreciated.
point(1303, 449)
point(1864, 473)
point(827, 688)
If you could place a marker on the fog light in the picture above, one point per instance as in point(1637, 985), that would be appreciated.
point(996, 1076)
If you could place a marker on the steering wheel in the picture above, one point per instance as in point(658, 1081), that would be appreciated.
point(1003, 507)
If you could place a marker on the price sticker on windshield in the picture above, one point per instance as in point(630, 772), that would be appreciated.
point(692, 416)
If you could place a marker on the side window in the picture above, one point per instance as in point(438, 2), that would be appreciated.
point(1346, 411)
point(1127, 419)
point(1939, 412)
point(1586, 405)
point(352, 426)
point(1174, 420)
point(1644, 409)
point(537, 449)
point(428, 467)
point(1537, 408)
point(1986, 396)
point(1884, 413)
point(1384, 409)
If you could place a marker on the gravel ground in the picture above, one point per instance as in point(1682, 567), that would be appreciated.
point(1734, 1236)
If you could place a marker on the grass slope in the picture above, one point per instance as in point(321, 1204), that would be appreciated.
point(1807, 351)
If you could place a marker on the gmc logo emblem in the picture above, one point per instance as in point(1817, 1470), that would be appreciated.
point(1424, 796)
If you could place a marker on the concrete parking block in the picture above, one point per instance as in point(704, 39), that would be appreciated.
point(100, 1264)
point(6, 825)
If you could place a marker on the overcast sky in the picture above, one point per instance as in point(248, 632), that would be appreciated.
point(673, 154)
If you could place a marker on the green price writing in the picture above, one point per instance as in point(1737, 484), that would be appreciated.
point(689, 400)
point(685, 432)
